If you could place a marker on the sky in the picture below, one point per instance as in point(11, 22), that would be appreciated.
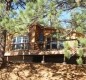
point(66, 15)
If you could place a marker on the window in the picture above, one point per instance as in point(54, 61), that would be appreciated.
point(51, 43)
point(41, 37)
point(20, 42)
point(54, 43)
point(61, 45)
point(48, 43)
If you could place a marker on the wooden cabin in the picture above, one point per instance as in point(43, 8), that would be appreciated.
point(38, 36)
point(38, 41)
point(30, 43)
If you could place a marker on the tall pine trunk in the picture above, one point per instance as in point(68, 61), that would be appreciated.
point(4, 45)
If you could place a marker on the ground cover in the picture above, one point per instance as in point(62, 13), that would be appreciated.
point(46, 71)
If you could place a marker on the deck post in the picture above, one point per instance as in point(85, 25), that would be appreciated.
point(23, 57)
point(43, 59)
point(51, 43)
point(57, 44)
point(7, 59)
point(64, 62)
point(44, 47)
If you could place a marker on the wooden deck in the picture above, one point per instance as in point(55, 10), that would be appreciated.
point(41, 52)
point(37, 56)
point(33, 52)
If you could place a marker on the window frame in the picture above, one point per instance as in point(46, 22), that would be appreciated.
point(21, 44)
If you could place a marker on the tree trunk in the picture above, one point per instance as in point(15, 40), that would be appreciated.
point(4, 45)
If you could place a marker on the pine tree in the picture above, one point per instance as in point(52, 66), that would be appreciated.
point(79, 21)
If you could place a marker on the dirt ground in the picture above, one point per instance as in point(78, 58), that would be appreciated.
point(46, 71)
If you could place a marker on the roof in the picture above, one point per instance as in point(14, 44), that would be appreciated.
point(47, 27)
point(78, 33)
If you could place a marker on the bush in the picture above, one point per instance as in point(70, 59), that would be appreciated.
point(67, 53)
point(80, 52)
point(82, 42)
point(79, 61)
point(66, 45)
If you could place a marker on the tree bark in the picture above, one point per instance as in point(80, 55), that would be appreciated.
point(4, 46)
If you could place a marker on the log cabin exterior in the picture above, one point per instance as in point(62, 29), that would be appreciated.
point(34, 41)
point(38, 35)
point(38, 41)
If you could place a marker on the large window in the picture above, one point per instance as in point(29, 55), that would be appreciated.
point(51, 43)
point(20, 42)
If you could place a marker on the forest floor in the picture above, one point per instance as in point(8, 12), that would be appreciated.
point(46, 71)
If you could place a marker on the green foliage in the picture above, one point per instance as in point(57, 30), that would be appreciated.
point(76, 44)
point(66, 45)
point(80, 52)
point(79, 21)
point(79, 61)
point(15, 1)
point(82, 42)
point(80, 29)
point(67, 53)
point(35, 12)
